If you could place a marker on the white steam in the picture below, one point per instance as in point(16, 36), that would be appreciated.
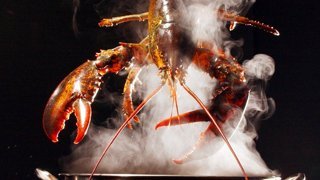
point(260, 67)
point(150, 151)
point(259, 70)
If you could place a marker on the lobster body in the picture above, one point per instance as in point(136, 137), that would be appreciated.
point(170, 48)
point(169, 45)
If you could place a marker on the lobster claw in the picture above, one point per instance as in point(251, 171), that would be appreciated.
point(73, 95)
point(222, 109)
point(78, 90)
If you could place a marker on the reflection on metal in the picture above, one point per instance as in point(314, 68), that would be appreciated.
point(299, 176)
point(44, 175)
point(84, 176)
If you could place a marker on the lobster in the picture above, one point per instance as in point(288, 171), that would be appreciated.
point(170, 49)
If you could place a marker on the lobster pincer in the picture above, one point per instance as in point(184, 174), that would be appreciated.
point(78, 90)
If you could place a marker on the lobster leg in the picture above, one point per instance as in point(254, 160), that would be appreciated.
point(141, 59)
point(127, 91)
point(114, 21)
point(185, 118)
point(78, 90)
point(202, 148)
point(237, 19)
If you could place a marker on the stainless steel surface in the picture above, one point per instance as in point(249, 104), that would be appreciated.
point(66, 176)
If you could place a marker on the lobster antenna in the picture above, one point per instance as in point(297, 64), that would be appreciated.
point(195, 97)
point(177, 107)
point(76, 5)
point(171, 114)
point(174, 100)
point(124, 124)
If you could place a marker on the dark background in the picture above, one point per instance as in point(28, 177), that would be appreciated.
point(39, 48)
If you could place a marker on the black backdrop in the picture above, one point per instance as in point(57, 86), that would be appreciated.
point(39, 47)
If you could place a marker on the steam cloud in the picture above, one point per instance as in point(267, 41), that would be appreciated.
point(146, 150)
